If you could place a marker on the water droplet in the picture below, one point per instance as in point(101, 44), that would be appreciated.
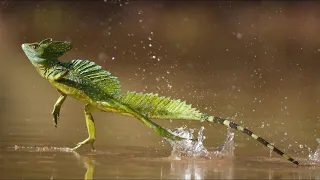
point(103, 56)
point(239, 35)
point(140, 12)
point(301, 146)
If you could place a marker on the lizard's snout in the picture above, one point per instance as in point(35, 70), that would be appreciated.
point(24, 46)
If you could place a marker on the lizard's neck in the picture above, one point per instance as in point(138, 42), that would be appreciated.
point(45, 67)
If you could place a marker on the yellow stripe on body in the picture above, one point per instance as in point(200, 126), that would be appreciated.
point(254, 136)
point(240, 128)
point(285, 156)
point(270, 147)
point(226, 122)
point(210, 118)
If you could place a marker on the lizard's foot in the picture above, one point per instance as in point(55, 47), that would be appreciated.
point(55, 113)
point(89, 140)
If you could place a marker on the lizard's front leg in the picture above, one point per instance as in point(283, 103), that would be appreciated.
point(90, 127)
point(57, 107)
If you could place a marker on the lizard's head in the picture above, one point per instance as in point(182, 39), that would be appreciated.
point(45, 50)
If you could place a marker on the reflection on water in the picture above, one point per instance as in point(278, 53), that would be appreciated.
point(202, 169)
point(194, 168)
point(88, 162)
point(133, 162)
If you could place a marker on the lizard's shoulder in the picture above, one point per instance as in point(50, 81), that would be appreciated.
point(95, 74)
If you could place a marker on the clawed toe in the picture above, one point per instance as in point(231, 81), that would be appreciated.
point(87, 141)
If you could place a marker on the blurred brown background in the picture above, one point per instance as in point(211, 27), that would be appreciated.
point(254, 62)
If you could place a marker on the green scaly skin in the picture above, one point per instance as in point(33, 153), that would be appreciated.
point(88, 82)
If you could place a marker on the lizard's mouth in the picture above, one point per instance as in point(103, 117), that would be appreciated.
point(25, 47)
point(31, 54)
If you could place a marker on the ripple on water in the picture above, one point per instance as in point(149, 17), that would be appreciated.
point(41, 149)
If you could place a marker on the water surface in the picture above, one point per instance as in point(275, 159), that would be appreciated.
point(43, 161)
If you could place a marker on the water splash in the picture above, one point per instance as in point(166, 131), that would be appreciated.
point(41, 149)
point(316, 156)
point(227, 148)
point(189, 148)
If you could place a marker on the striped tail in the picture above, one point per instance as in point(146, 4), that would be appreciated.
point(250, 133)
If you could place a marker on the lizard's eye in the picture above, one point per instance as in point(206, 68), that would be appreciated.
point(33, 46)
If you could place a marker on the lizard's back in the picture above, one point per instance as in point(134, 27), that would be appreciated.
point(87, 81)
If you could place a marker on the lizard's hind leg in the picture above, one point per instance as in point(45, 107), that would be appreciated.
point(90, 127)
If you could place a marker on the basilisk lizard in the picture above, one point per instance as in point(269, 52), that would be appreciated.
point(88, 82)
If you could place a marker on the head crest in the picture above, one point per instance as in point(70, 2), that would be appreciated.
point(46, 49)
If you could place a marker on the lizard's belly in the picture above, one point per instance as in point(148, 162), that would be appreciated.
point(103, 105)
point(71, 91)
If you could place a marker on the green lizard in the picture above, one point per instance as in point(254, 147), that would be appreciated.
point(88, 82)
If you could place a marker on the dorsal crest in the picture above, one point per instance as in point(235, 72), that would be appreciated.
point(87, 70)
point(155, 106)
